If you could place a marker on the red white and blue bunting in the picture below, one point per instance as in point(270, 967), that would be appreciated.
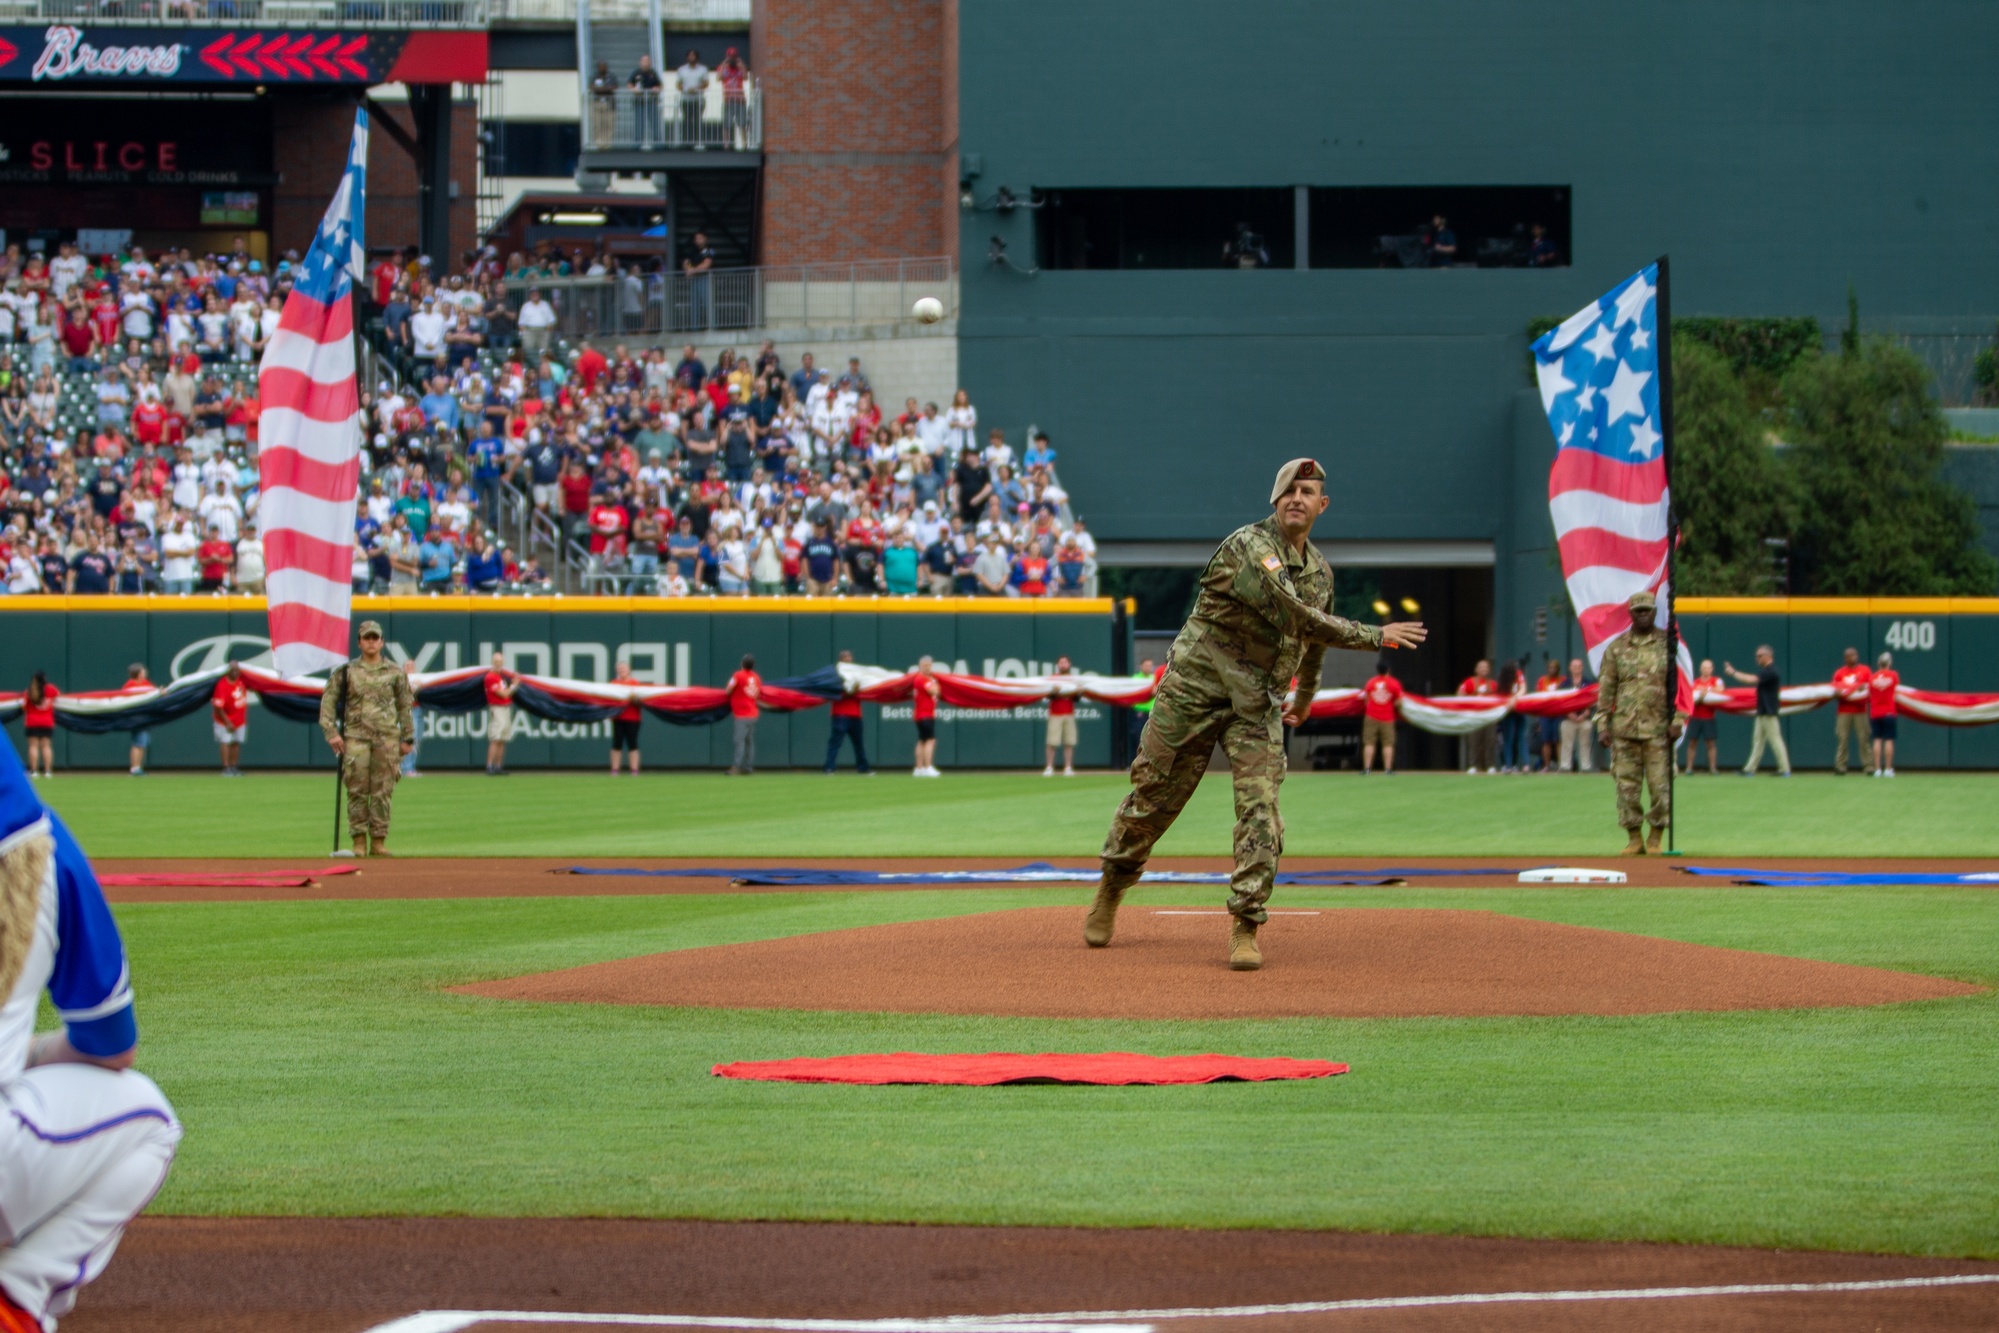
point(561, 699)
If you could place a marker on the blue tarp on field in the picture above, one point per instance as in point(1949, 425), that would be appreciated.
point(1035, 872)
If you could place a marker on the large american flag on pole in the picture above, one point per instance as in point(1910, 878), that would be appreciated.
point(1599, 372)
point(309, 463)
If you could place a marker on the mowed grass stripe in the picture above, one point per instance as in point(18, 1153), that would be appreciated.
point(322, 1069)
point(1024, 815)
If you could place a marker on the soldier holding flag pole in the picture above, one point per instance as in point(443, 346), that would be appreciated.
point(309, 460)
point(1604, 375)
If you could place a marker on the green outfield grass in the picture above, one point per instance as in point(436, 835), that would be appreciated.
point(1023, 814)
point(321, 1069)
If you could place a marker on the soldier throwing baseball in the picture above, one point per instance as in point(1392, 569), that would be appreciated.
point(373, 694)
point(1634, 720)
point(1260, 620)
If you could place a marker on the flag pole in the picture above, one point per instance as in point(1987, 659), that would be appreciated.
point(1664, 316)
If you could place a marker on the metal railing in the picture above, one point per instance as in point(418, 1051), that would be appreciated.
point(288, 13)
point(644, 120)
point(787, 296)
point(672, 11)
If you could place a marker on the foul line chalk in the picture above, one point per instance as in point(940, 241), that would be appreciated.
point(452, 1321)
point(1497, 1298)
point(1129, 1321)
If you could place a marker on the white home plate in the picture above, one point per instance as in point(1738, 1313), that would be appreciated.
point(1571, 875)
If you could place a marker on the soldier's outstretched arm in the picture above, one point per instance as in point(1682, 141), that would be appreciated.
point(1257, 585)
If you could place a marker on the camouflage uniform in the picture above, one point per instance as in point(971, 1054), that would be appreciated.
point(1261, 619)
point(1632, 715)
point(379, 721)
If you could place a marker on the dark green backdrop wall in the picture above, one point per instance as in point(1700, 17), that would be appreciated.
point(89, 650)
point(1777, 151)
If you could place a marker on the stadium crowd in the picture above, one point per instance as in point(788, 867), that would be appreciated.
point(128, 449)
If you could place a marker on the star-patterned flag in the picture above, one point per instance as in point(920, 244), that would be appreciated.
point(1599, 376)
point(310, 457)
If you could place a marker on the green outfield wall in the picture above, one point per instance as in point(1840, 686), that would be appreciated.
point(87, 644)
point(1939, 644)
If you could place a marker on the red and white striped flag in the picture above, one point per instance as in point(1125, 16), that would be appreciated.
point(1607, 491)
point(309, 463)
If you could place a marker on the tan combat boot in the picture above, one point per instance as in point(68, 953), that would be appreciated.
point(1244, 956)
point(1636, 847)
point(1102, 920)
point(382, 847)
point(360, 844)
point(1652, 838)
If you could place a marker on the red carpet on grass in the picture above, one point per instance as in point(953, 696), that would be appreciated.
point(258, 879)
point(984, 1071)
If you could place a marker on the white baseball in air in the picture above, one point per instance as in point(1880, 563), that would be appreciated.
point(929, 309)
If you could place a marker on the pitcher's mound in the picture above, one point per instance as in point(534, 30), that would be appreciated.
point(1171, 963)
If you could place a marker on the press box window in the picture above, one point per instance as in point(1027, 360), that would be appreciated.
point(1484, 226)
point(1159, 228)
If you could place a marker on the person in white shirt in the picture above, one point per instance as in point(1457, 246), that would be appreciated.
point(178, 546)
point(22, 574)
point(137, 319)
point(221, 509)
point(536, 319)
point(427, 328)
point(186, 481)
point(138, 267)
point(66, 269)
point(961, 423)
point(219, 468)
point(250, 561)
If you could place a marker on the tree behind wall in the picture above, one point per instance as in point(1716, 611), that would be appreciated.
point(1877, 519)
point(1729, 487)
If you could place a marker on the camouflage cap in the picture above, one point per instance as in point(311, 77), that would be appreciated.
point(1642, 600)
point(1298, 469)
point(369, 627)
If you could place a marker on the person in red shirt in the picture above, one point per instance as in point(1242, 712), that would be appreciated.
point(218, 559)
point(500, 686)
point(142, 739)
point(38, 720)
point(1881, 687)
point(1700, 722)
point(575, 485)
point(846, 722)
point(607, 528)
point(1551, 727)
point(230, 707)
point(1061, 726)
point(104, 318)
point(924, 692)
point(1481, 746)
point(745, 688)
point(591, 367)
point(1377, 726)
point(1849, 688)
point(625, 726)
point(149, 421)
point(385, 275)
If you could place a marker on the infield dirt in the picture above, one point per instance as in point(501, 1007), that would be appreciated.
point(345, 1275)
point(1168, 963)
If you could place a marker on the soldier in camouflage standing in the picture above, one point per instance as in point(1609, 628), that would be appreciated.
point(373, 696)
point(1635, 719)
point(1261, 619)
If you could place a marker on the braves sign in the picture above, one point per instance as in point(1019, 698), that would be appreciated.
point(74, 54)
point(66, 54)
